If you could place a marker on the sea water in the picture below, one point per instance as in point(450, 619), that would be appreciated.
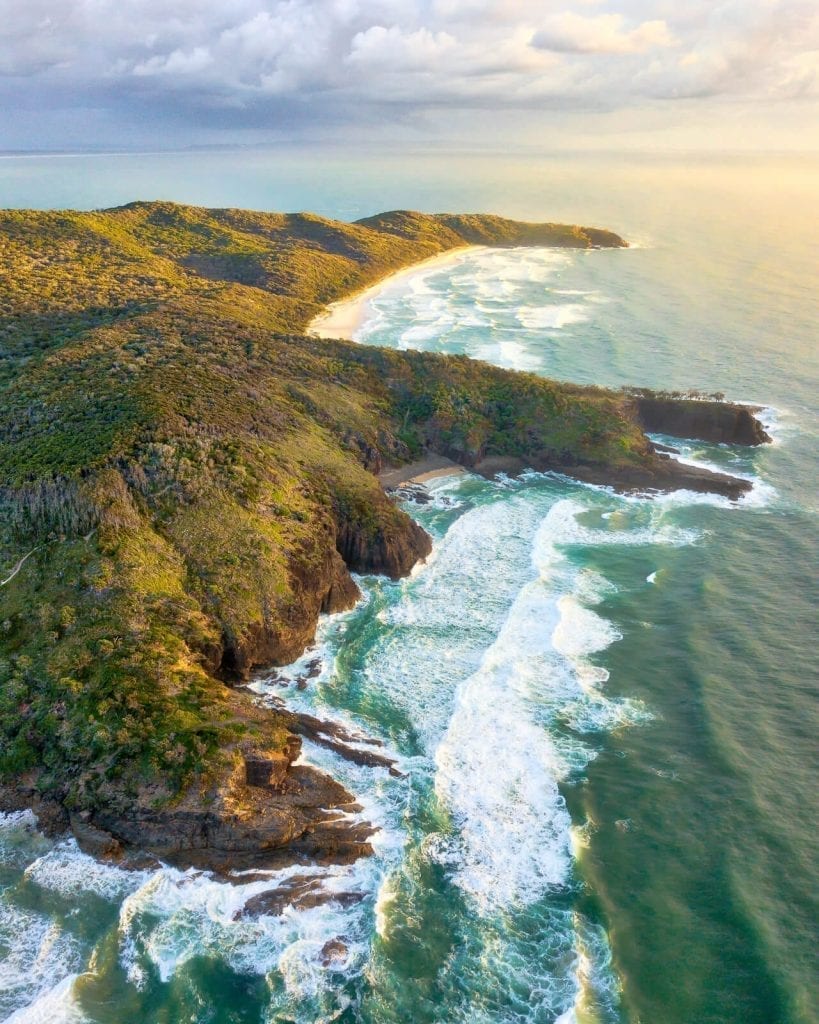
point(603, 706)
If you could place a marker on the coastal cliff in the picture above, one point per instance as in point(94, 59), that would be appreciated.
point(187, 482)
point(701, 418)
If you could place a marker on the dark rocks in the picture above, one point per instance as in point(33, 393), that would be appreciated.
point(334, 951)
point(657, 472)
point(300, 679)
point(302, 892)
point(326, 587)
point(369, 454)
point(266, 772)
point(491, 465)
point(342, 593)
point(390, 553)
point(698, 419)
point(337, 738)
point(95, 841)
point(413, 492)
point(52, 817)
point(306, 819)
point(382, 540)
point(662, 474)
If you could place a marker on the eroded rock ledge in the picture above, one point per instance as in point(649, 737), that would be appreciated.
point(700, 419)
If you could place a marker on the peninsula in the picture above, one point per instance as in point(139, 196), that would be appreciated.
point(187, 479)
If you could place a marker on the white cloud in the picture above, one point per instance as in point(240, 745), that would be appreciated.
point(344, 60)
point(178, 62)
point(604, 33)
point(399, 50)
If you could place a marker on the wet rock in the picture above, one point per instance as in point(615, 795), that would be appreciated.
point(390, 553)
point(93, 840)
point(303, 892)
point(663, 474)
point(22, 795)
point(412, 492)
point(334, 951)
point(335, 737)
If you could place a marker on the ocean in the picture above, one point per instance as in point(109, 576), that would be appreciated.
point(604, 706)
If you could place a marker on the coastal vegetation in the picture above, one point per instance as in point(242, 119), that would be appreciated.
point(190, 480)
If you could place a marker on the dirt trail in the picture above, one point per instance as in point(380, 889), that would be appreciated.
point(18, 567)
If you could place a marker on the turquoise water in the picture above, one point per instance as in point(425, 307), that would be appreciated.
point(604, 706)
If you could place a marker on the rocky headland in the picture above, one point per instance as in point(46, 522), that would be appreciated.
point(187, 481)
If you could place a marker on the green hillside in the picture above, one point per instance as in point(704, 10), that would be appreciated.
point(194, 479)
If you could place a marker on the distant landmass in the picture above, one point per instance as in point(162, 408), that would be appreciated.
point(187, 480)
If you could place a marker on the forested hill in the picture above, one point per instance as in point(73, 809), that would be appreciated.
point(186, 481)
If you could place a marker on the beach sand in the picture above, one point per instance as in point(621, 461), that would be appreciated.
point(417, 472)
point(342, 319)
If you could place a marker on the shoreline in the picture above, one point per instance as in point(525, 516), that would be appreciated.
point(342, 319)
point(418, 472)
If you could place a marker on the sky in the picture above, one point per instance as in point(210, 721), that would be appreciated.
point(553, 74)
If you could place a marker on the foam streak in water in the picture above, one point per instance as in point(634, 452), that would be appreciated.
point(498, 765)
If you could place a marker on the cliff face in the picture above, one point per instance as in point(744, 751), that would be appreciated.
point(280, 640)
point(719, 422)
point(390, 554)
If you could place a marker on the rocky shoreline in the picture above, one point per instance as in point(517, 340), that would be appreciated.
point(191, 481)
point(274, 812)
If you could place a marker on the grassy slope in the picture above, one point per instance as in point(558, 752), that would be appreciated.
point(183, 461)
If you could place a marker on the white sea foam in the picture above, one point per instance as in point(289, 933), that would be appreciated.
point(498, 764)
point(779, 423)
point(56, 1006)
point(449, 613)
point(177, 915)
point(569, 530)
point(20, 841)
point(553, 317)
point(761, 495)
point(40, 954)
point(70, 872)
point(580, 631)
point(15, 820)
point(484, 294)
point(497, 771)
point(514, 356)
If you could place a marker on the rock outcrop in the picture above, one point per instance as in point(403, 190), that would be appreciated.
point(661, 473)
point(390, 553)
point(699, 419)
point(326, 587)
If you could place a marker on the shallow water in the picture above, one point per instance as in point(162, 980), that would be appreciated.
point(604, 706)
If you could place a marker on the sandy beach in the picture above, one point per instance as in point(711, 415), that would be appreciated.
point(342, 319)
point(417, 472)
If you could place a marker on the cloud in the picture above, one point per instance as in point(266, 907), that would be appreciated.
point(603, 33)
point(295, 63)
point(177, 63)
point(399, 50)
